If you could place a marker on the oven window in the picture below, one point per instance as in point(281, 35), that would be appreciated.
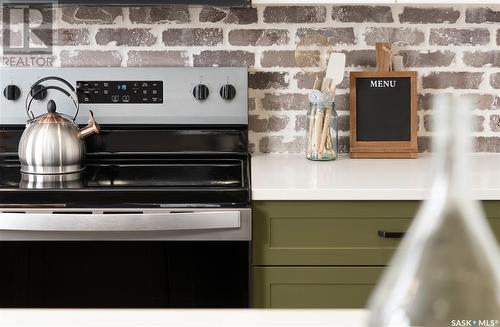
point(184, 274)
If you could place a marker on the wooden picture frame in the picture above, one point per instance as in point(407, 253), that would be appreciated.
point(403, 148)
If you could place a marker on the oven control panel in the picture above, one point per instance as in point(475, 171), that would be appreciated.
point(120, 91)
point(130, 95)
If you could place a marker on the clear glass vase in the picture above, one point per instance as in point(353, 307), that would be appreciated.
point(322, 132)
point(446, 271)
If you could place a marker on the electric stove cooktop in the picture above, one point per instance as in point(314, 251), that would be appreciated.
point(155, 181)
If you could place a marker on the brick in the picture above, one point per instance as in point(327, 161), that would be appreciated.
point(256, 124)
point(294, 14)
point(479, 101)
point(456, 80)
point(240, 16)
point(495, 80)
point(258, 37)
point(362, 14)
point(272, 124)
point(424, 144)
point(459, 36)
point(277, 144)
point(342, 102)
point(413, 58)
point(481, 15)
point(429, 15)
point(424, 101)
point(325, 36)
point(157, 58)
point(343, 123)
point(124, 36)
point(224, 58)
point(360, 58)
point(159, 14)
point(482, 58)
point(268, 80)
point(286, 58)
point(396, 35)
point(300, 123)
point(288, 101)
point(192, 36)
point(92, 14)
point(486, 144)
point(251, 104)
point(495, 123)
point(90, 58)
point(306, 80)
point(61, 37)
point(477, 124)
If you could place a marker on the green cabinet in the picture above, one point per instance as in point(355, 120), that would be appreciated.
point(327, 254)
point(313, 287)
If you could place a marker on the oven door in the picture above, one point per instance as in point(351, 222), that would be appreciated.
point(118, 259)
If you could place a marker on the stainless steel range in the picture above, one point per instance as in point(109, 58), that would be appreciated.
point(160, 214)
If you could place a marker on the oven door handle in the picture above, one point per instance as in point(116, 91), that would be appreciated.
point(166, 221)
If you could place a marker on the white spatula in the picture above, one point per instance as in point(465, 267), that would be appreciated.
point(335, 69)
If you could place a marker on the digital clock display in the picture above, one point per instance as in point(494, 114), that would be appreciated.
point(120, 91)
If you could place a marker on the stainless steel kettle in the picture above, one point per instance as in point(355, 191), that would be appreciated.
point(52, 143)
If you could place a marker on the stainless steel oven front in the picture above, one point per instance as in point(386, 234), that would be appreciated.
point(125, 258)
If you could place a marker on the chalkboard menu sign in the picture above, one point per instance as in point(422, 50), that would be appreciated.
point(383, 109)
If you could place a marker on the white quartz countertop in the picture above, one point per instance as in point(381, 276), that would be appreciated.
point(293, 177)
point(182, 318)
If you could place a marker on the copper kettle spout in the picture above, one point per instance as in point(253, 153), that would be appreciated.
point(91, 129)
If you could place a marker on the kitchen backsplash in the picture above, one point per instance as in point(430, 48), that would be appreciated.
point(454, 49)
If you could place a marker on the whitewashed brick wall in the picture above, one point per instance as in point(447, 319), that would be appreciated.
point(455, 49)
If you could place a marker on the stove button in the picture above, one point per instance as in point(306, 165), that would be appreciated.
point(227, 92)
point(115, 98)
point(201, 92)
point(41, 95)
point(12, 92)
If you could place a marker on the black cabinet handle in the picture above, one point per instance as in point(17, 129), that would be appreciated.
point(384, 234)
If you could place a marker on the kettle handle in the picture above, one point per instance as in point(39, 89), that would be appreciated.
point(44, 88)
point(50, 87)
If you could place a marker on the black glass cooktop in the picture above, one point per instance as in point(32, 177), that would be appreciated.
point(128, 181)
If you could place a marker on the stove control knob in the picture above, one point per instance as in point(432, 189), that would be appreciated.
point(227, 92)
point(12, 92)
point(201, 92)
point(41, 95)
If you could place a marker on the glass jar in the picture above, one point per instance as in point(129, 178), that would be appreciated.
point(446, 271)
point(322, 132)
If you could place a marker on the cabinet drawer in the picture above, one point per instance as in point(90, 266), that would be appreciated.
point(327, 233)
point(313, 287)
point(324, 233)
